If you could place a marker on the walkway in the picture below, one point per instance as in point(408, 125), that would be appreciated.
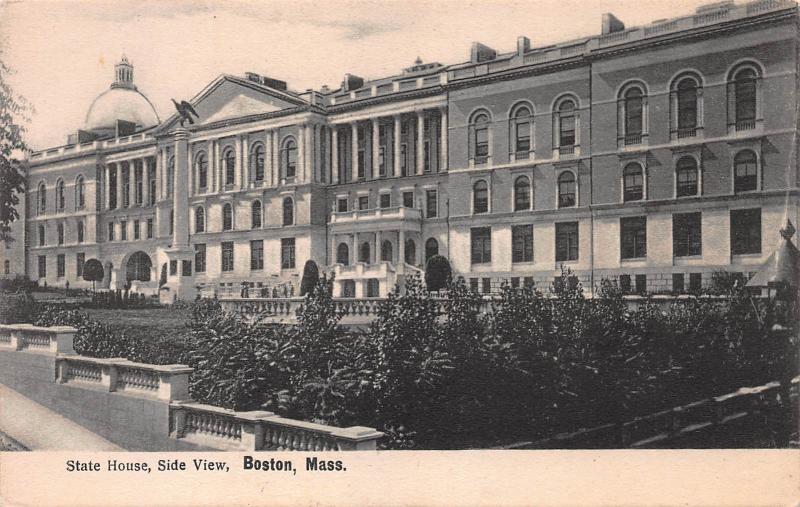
point(40, 429)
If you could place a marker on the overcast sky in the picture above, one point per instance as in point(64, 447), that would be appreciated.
point(63, 53)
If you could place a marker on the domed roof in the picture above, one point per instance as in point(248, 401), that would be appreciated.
point(122, 102)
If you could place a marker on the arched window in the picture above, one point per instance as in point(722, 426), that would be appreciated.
point(80, 193)
point(686, 177)
point(170, 176)
point(288, 211)
point(745, 171)
point(745, 85)
point(201, 168)
point(255, 215)
point(227, 217)
point(257, 162)
point(566, 190)
point(479, 137)
point(480, 197)
point(411, 252)
point(60, 195)
point(289, 158)
point(686, 106)
point(633, 182)
point(521, 132)
point(633, 111)
point(42, 198)
point(199, 219)
point(229, 166)
point(364, 253)
point(431, 248)
point(522, 194)
point(567, 123)
point(387, 254)
point(343, 254)
point(80, 231)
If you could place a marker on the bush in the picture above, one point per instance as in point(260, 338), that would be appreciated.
point(16, 308)
point(437, 273)
point(310, 277)
point(93, 272)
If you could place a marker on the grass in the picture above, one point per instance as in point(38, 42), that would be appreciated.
point(162, 320)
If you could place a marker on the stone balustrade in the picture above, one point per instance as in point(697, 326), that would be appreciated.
point(163, 382)
point(49, 340)
point(218, 428)
point(164, 388)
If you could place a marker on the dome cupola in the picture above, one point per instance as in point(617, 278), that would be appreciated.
point(121, 102)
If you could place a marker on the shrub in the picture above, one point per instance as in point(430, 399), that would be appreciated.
point(93, 272)
point(16, 308)
point(310, 277)
point(437, 273)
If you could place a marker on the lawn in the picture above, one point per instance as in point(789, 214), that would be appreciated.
point(160, 320)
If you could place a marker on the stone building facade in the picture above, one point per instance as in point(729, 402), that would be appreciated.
point(655, 155)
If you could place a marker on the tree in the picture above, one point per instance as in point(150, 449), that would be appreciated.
point(13, 112)
point(310, 277)
point(437, 273)
point(93, 271)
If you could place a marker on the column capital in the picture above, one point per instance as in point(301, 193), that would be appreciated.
point(180, 133)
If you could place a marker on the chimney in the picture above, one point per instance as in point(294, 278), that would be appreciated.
point(523, 45)
point(481, 53)
point(611, 24)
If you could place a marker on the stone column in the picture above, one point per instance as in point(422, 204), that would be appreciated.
point(401, 246)
point(145, 183)
point(354, 150)
point(180, 195)
point(237, 165)
point(376, 148)
point(120, 185)
point(398, 128)
point(300, 169)
point(377, 246)
point(245, 162)
point(310, 166)
point(268, 158)
point(443, 141)
point(420, 141)
point(191, 178)
point(276, 154)
point(318, 163)
point(106, 187)
point(334, 155)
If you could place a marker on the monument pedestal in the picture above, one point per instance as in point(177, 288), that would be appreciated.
point(180, 277)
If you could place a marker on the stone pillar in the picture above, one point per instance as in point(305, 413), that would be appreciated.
point(300, 169)
point(352, 257)
point(276, 162)
point(245, 162)
point(378, 247)
point(334, 155)
point(309, 167)
point(401, 246)
point(191, 177)
point(180, 194)
point(237, 165)
point(145, 183)
point(120, 185)
point(354, 150)
point(106, 187)
point(443, 141)
point(376, 148)
point(268, 158)
point(398, 129)
point(212, 165)
point(420, 141)
point(318, 162)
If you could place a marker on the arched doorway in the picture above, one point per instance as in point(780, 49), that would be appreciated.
point(139, 267)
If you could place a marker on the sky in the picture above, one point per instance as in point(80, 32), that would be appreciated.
point(63, 52)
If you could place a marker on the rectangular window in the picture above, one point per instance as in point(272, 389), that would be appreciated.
point(523, 139)
point(111, 231)
point(695, 282)
point(6, 267)
point(80, 260)
point(41, 235)
point(200, 258)
point(431, 204)
point(60, 231)
point(287, 253)
point(527, 282)
point(382, 150)
point(227, 256)
point(633, 237)
point(362, 153)
point(173, 267)
point(641, 284)
point(473, 284)
point(566, 241)
point(746, 231)
point(363, 202)
point(341, 205)
point(151, 184)
point(481, 144)
point(481, 245)
point(522, 243)
point(60, 266)
point(139, 184)
point(686, 234)
point(486, 285)
point(403, 159)
point(625, 283)
point(386, 201)
point(112, 188)
point(514, 282)
point(426, 156)
point(186, 267)
point(123, 230)
point(408, 199)
point(126, 187)
point(136, 233)
point(149, 228)
point(566, 132)
point(677, 283)
point(257, 255)
point(42, 266)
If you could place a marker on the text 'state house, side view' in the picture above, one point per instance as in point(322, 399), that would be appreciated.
point(654, 155)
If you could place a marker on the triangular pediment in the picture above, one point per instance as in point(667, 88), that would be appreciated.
point(228, 98)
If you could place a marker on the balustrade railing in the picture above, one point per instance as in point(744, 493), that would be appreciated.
point(53, 340)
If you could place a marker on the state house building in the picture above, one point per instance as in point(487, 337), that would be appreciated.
point(654, 155)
